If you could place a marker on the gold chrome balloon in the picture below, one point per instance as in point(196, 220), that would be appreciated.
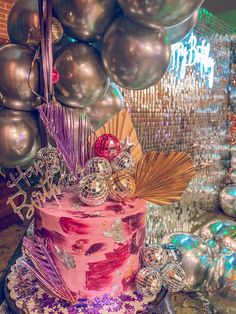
point(105, 107)
point(82, 78)
point(85, 20)
point(23, 18)
point(178, 32)
point(135, 57)
point(15, 65)
point(19, 138)
point(159, 13)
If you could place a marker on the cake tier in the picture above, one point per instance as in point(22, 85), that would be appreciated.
point(96, 249)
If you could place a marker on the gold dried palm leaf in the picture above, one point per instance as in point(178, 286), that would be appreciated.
point(162, 178)
point(122, 127)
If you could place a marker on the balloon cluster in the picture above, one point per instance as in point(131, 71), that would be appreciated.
point(108, 174)
point(220, 284)
point(161, 267)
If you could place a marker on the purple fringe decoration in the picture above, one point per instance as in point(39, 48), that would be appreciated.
point(72, 134)
point(44, 269)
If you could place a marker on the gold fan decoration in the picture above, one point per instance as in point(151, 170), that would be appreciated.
point(162, 178)
point(122, 127)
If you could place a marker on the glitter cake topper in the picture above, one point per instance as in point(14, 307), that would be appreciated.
point(45, 190)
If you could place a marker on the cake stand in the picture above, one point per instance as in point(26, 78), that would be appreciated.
point(23, 291)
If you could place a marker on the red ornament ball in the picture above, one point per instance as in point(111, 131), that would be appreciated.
point(55, 76)
point(107, 146)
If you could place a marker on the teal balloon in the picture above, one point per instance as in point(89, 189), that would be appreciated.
point(196, 258)
point(220, 285)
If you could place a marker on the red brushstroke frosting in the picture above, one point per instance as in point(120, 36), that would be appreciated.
point(104, 242)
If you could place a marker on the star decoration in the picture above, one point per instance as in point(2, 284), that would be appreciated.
point(127, 145)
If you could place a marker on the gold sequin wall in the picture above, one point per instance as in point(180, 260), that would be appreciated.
point(185, 114)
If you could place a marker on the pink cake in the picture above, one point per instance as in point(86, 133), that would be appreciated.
point(96, 249)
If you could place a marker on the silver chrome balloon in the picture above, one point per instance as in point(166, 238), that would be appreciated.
point(82, 78)
point(196, 258)
point(220, 286)
point(214, 227)
point(85, 20)
point(135, 57)
point(159, 13)
point(19, 138)
point(22, 19)
point(228, 200)
point(178, 32)
point(15, 65)
point(105, 107)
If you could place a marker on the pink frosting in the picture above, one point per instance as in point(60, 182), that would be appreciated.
point(96, 249)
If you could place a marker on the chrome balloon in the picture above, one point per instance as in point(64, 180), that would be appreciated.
point(228, 200)
point(85, 20)
point(19, 138)
point(159, 13)
point(105, 107)
point(15, 65)
point(220, 284)
point(135, 57)
point(82, 78)
point(178, 32)
point(22, 19)
point(196, 258)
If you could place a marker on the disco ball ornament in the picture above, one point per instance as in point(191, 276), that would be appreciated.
point(57, 31)
point(220, 285)
point(228, 200)
point(174, 254)
point(196, 258)
point(233, 177)
point(98, 165)
point(123, 161)
point(173, 277)
point(92, 189)
point(50, 159)
point(154, 256)
point(121, 186)
point(148, 281)
point(107, 146)
point(55, 76)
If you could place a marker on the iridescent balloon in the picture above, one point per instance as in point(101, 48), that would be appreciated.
point(220, 284)
point(82, 78)
point(121, 186)
point(174, 254)
point(173, 277)
point(19, 138)
point(178, 32)
point(216, 226)
point(22, 19)
point(85, 20)
point(159, 13)
point(148, 281)
point(123, 161)
point(92, 189)
point(154, 256)
point(105, 107)
point(228, 200)
point(196, 258)
point(214, 247)
point(135, 57)
point(17, 79)
point(98, 165)
point(233, 177)
point(233, 162)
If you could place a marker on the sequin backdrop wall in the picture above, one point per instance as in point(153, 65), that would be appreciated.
point(186, 115)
